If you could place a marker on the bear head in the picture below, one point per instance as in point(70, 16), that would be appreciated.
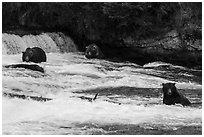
point(92, 51)
point(27, 54)
point(170, 94)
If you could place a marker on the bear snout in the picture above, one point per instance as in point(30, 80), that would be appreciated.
point(169, 92)
point(27, 59)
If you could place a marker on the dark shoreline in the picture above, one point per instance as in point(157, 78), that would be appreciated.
point(133, 54)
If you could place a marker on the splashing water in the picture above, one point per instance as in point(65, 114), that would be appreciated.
point(14, 44)
point(70, 75)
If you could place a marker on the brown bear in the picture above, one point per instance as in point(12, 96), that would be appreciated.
point(173, 96)
point(93, 51)
point(34, 54)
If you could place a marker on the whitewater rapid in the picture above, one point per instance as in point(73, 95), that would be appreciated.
point(129, 95)
point(68, 76)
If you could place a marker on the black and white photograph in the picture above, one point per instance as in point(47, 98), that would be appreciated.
point(101, 68)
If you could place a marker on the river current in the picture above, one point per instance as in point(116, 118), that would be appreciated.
point(129, 97)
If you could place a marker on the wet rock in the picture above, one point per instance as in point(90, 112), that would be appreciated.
point(36, 98)
point(26, 66)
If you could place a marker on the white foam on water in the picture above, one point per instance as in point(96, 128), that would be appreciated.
point(160, 63)
point(70, 111)
point(14, 44)
point(50, 45)
point(69, 71)
point(66, 73)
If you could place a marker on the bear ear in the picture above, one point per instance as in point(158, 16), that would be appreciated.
point(30, 51)
point(162, 84)
point(23, 52)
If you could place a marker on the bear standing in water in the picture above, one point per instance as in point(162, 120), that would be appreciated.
point(34, 54)
point(93, 51)
point(172, 96)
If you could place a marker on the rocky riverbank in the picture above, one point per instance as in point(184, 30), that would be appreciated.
point(135, 32)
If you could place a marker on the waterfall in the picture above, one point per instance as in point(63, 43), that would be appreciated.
point(49, 42)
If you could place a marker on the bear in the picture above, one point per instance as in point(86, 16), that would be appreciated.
point(171, 95)
point(93, 51)
point(35, 54)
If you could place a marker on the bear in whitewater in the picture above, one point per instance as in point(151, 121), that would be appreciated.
point(34, 54)
point(93, 51)
point(171, 95)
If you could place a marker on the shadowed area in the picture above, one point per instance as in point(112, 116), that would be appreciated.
point(26, 66)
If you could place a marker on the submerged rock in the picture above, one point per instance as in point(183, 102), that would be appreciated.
point(27, 66)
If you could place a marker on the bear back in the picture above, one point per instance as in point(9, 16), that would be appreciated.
point(34, 54)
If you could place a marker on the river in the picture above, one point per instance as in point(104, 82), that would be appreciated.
point(129, 97)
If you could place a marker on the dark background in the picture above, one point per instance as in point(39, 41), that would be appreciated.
point(136, 31)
